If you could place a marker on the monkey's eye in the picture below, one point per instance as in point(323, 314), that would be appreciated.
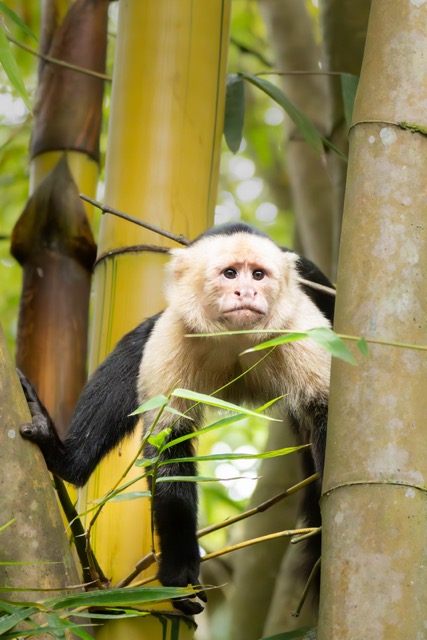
point(230, 273)
point(258, 274)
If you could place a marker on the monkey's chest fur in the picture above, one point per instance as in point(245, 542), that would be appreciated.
point(297, 371)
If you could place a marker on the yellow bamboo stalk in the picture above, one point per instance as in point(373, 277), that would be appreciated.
point(162, 166)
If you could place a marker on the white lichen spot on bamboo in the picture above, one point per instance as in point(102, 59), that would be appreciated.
point(388, 136)
point(371, 139)
point(418, 3)
point(410, 493)
point(374, 571)
point(412, 362)
point(11, 434)
point(339, 517)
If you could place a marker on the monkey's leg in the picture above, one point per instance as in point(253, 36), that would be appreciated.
point(175, 518)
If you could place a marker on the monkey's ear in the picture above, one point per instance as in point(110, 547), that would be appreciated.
point(178, 263)
point(289, 261)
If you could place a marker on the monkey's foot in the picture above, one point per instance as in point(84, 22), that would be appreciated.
point(172, 576)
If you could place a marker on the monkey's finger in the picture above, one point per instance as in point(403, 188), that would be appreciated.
point(28, 389)
point(189, 607)
point(200, 592)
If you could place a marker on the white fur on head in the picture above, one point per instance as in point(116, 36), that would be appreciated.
point(193, 288)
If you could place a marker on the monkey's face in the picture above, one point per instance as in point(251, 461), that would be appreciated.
point(230, 283)
point(240, 294)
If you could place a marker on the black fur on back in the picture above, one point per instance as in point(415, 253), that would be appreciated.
point(108, 398)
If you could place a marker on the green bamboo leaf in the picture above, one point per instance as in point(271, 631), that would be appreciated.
point(197, 479)
point(4, 526)
point(362, 345)
point(236, 456)
point(216, 402)
point(332, 343)
point(224, 422)
point(11, 68)
point(17, 20)
point(298, 117)
point(234, 112)
point(282, 339)
point(297, 634)
point(146, 462)
point(8, 622)
point(178, 413)
point(118, 597)
point(158, 439)
point(304, 124)
point(131, 495)
point(349, 84)
point(154, 403)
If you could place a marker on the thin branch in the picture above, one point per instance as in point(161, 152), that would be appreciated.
point(287, 533)
point(320, 287)
point(387, 343)
point(310, 534)
point(84, 551)
point(259, 508)
point(151, 227)
point(302, 72)
point(60, 63)
point(179, 238)
point(150, 558)
point(308, 584)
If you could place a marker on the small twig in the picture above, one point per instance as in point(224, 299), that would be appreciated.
point(150, 558)
point(315, 532)
point(320, 287)
point(259, 508)
point(60, 63)
point(308, 584)
point(236, 547)
point(287, 533)
point(151, 227)
point(302, 72)
point(140, 566)
point(84, 551)
point(387, 343)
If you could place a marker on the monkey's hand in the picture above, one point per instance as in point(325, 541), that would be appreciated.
point(173, 573)
point(41, 429)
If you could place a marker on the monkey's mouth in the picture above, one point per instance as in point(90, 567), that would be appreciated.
point(242, 309)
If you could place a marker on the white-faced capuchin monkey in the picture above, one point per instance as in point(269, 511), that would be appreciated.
point(232, 277)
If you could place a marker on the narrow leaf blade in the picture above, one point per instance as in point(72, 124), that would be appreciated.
point(11, 68)
point(332, 343)
point(349, 84)
point(234, 112)
point(216, 402)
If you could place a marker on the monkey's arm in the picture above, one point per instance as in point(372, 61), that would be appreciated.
point(101, 418)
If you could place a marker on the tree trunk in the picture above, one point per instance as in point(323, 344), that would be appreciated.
point(292, 38)
point(36, 536)
point(374, 506)
point(344, 24)
point(52, 238)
